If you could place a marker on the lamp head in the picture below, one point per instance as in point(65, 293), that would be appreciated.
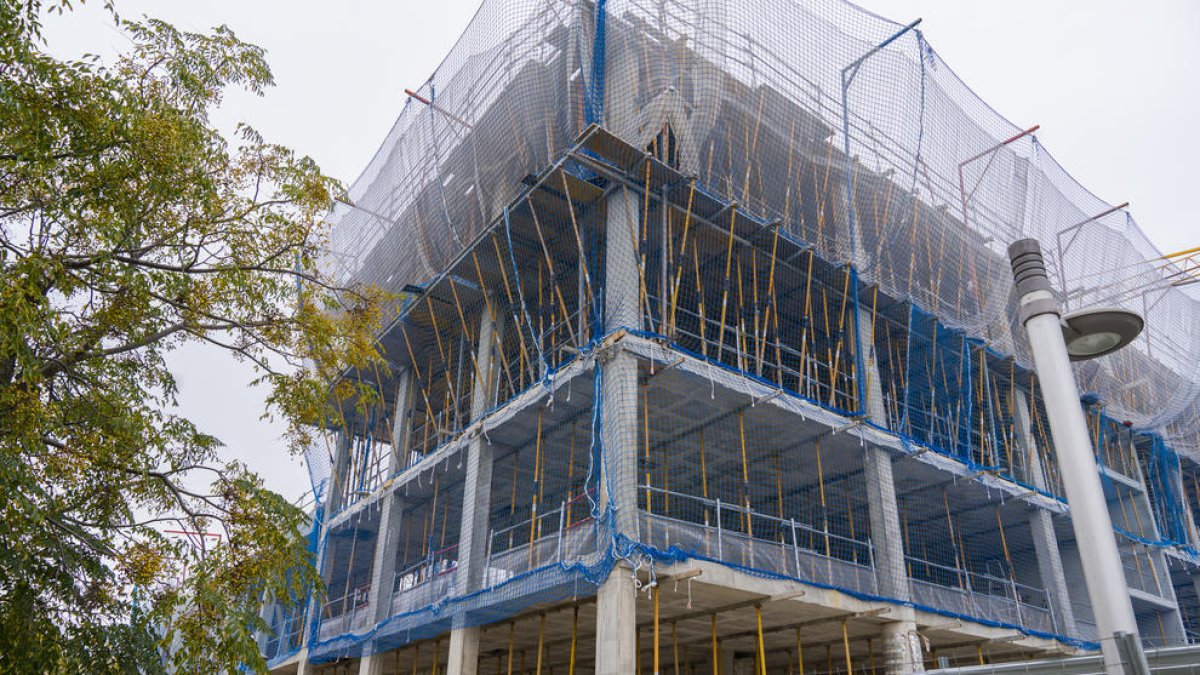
point(1091, 333)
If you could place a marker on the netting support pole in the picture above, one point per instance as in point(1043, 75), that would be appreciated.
point(1041, 527)
point(463, 658)
point(383, 568)
point(616, 616)
point(848, 74)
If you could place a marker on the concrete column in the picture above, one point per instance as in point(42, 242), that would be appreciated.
point(901, 644)
point(1170, 628)
point(1041, 525)
point(616, 609)
point(463, 658)
point(383, 569)
point(335, 490)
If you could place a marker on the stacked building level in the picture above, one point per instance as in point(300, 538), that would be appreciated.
point(705, 359)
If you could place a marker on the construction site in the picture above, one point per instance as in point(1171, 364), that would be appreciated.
point(705, 358)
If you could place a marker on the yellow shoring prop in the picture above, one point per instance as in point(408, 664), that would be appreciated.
point(587, 277)
point(716, 657)
point(643, 231)
point(675, 647)
point(350, 564)
point(887, 206)
point(799, 654)
point(574, 640)
point(437, 652)
point(541, 641)
point(824, 506)
point(779, 491)
point(646, 446)
point(773, 308)
point(1004, 545)
point(433, 513)
point(837, 353)
point(512, 630)
point(522, 356)
point(739, 331)
point(462, 319)
point(654, 594)
point(907, 562)
point(806, 319)
point(828, 658)
point(824, 193)
point(512, 504)
point(417, 658)
point(541, 318)
point(979, 397)
point(570, 473)
point(752, 147)
point(700, 301)
point(762, 652)
point(846, 647)
point(912, 244)
point(979, 652)
point(959, 563)
point(687, 221)
point(725, 289)
point(537, 226)
point(871, 371)
point(637, 650)
point(850, 519)
point(741, 415)
point(787, 192)
point(437, 333)
point(445, 520)
point(537, 466)
point(417, 373)
point(759, 319)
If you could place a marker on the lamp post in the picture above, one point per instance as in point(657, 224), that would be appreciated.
point(1054, 343)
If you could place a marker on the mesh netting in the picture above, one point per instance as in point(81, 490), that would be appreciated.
point(696, 280)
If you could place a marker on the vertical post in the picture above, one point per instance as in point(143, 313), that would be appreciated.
point(616, 616)
point(383, 568)
point(473, 542)
point(795, 548)
point(1099, 556)
point(720, 552)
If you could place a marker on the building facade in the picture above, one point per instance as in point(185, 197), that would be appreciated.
point(705, 357)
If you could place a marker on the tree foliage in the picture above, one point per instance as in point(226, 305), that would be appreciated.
point(128, 227)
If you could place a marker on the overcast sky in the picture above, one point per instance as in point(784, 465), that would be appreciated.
point(1115, 86)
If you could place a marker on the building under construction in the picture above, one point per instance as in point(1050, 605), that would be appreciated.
point(705, 359)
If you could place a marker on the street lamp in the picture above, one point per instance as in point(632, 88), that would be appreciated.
point(1090, 333)
point(1055, 341)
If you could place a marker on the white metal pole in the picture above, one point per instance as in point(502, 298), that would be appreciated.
point(1101, 561)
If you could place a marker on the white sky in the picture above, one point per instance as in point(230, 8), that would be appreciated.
point(1115, 86)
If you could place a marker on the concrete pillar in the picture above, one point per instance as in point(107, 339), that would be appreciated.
point(463, 658)
point(1041, 526)
point(1169, 626)
point(383, 569)
point(616, 609)
point(901, 644)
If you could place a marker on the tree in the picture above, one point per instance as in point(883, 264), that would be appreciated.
point(129, 226)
